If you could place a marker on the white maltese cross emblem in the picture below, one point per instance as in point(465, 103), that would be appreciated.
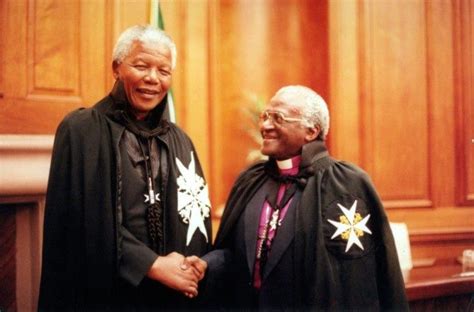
point(351, 226)
point(193, 199)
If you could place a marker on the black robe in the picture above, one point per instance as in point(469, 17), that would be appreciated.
point(81, 243)
point(327, 277)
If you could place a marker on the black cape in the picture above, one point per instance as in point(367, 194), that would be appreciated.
point(83, 208)
point(328, 277)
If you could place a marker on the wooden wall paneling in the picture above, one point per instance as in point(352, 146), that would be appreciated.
point(433, 218)
point(468, 94)
point(53, 62)
point(197, 122)
point(464, 136)
point(393, 87)
point(126, 13)
point(441, 98)
point(53, 49)
point(94, 51)
point(29, 220)
point(344, 80)
point(259, 46)
point(13, 60)
point(445, 246)
point(3, 25)
point(395, 106)
point(239, 34)
point(14, 30)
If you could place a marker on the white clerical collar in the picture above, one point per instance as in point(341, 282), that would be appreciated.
point(289, 163)
point(285, 164)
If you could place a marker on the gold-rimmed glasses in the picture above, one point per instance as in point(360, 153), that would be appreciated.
point(277, 118)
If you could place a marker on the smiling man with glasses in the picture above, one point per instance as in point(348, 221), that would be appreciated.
point(303, 231)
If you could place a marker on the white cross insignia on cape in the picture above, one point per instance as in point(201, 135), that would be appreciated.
point(193, 199)
point(351, 226)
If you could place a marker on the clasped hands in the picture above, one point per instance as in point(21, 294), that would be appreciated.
point(178, 272)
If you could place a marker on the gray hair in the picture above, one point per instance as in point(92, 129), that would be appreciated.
point(144, 34)
point(314, 109)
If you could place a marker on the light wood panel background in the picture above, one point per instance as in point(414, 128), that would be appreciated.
point(397, 75)
point(401, 101)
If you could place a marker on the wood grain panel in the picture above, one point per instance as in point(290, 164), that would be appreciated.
point(258, 47)
point(52, 62)
point(442, 111)
point(395, 106)
point(14, 50)
point(464, 49)
point(95, 51)
point(409, 123)
point(344, 80)
point(54, 47)
point(29, 229)
point(444, 246)
point(197, 120)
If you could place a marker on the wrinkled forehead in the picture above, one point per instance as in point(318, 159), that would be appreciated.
point(287, 101)
point(150, 47)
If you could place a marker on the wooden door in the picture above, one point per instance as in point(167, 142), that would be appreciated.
point(53, 60)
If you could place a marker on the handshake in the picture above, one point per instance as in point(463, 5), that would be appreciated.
point(178, 272)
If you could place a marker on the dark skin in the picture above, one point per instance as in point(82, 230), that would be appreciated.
point(146, 75)
point(285, 141)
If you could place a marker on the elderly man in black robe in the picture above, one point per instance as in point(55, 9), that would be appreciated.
point(303, 231)
point(126, 198)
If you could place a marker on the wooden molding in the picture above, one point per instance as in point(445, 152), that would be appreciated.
point(463, 100)
point(443, 245)
point(25, 164)
point(407, 203)
point(443, 235)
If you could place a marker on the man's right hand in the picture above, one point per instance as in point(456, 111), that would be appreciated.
point(197, 264)
point(168, 271)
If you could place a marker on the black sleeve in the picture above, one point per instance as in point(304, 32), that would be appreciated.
point(136, 258)
point(212, 289)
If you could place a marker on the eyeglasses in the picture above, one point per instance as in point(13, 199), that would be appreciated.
point(277, 118)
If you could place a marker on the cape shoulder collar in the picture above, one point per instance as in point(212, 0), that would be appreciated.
point(316, 156)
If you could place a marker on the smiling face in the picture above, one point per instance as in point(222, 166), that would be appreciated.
point(146, 76)
point(286, 140)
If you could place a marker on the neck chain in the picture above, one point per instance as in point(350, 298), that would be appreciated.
point(273, 223)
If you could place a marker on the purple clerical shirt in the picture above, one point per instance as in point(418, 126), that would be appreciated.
point(286, 167)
